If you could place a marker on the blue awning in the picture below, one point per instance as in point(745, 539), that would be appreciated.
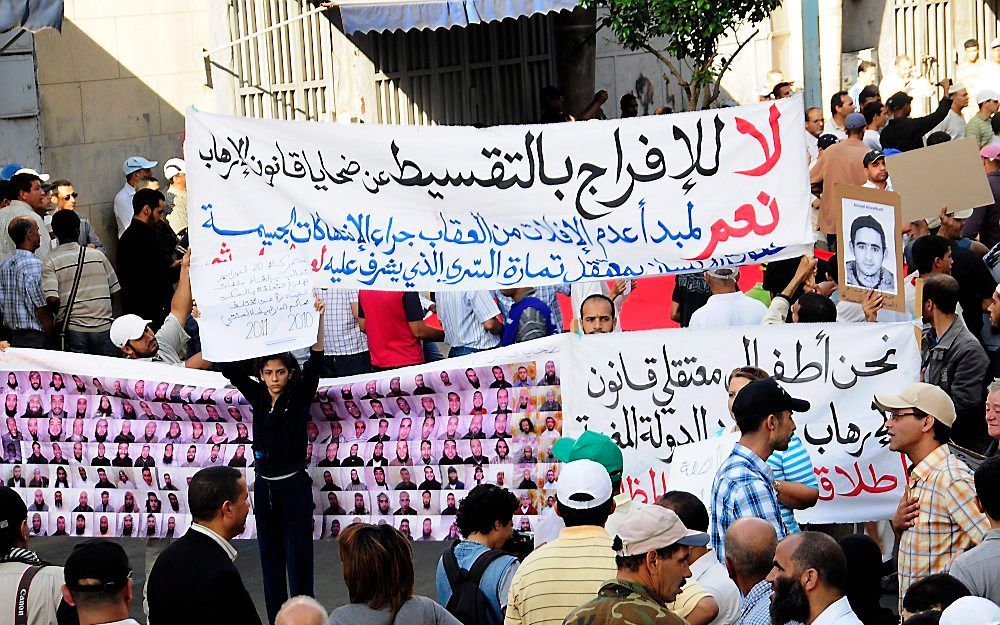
point(387, 15)
point(33, 15)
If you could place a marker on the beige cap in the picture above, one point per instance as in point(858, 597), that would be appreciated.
point(650, 527)
point(962, 214)
point(926, 397)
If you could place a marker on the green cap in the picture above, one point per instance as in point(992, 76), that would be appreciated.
point(591, 446)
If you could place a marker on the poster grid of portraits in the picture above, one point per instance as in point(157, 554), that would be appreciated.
point(97, 456)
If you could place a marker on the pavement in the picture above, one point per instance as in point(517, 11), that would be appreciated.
point(329, 584)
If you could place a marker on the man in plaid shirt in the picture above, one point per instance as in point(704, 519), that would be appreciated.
point(744, 485)
point(21, 300)
point(936, 520)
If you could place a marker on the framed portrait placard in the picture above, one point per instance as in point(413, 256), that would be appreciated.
point(870, 245)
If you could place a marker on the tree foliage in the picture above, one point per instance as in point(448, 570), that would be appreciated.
point(692, 30)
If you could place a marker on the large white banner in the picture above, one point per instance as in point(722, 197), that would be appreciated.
point(434, 208)
point(657, 392)
point(120, 438)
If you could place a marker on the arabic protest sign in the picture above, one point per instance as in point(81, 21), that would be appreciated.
point(917, 176)
point(255, 308)
point(870, 245)
point(693, 466)
point(435, 208)
point(656, 392)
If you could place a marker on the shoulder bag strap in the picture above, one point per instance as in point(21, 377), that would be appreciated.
point(72, 293)
point(21, 598)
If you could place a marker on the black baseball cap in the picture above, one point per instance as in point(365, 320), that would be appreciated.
point(898, 100)
point(13, 512)
point(873, 156)
point(763, 397)
point(100, 560)
point(826, 140)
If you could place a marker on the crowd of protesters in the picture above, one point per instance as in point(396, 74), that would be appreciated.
point(738, 559)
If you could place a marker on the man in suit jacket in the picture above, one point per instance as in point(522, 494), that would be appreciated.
point(194, 581)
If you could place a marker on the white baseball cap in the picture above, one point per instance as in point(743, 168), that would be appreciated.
point(127, 328)
point(27, 170)
point(582, 485)
point(986, 95)
point(173, 167)
point(135, 163)
point(971, 611)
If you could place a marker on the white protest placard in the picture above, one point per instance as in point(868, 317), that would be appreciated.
point(693, 467)
point(657, 392)
point(446, 207)
point(254, 308)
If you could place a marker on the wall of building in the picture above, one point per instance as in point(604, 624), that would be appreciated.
point(113, 84)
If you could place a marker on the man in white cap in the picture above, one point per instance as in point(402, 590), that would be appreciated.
point(971, 611)
point(954, 123)
point(979, 126)
point(652, 549)
point(132, 334)
point(728, 306)
point(134, 168)
point(542, 593)
point(176, 194)
point(919, 421)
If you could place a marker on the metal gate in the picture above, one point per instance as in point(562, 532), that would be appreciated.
point(484, 74)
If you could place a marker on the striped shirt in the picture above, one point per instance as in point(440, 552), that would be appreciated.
point(21, 290)
point(792, 465)
point(341, 334)
point(98, 281)
point(948, 522)
point(463, 314)
point(560, 576)
point(743, 486)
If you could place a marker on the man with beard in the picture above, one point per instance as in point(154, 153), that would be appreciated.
point(430, 481)
point(402, 457)
point(425, 534)
point(125, 435)
point(122, 459)
point(100, 460)
point(379, 474)
point(378, 457)
point(427, 428)
point(450, 508)
point(34, 408)
point(419, 387)
point(353, 459)
point(750, 545)
point(328, 483)
point(145, 460)
point(451, 430)
point(171, 527)
point(744, 485)
point(36, 456)
point(105, 505)
point(60, 527)
point(81, 408)
point(651, 553)
point(191, 459)
point(356, 484)
point(425, 452)
point(199, 566)
point(503, 402)
point(57, 455)
point(403, 405)
point(10, 405)
point(33, 428)
point(81, 525)
point(334, 507)
point(477, 457)
point(56, 411)
point(477, 404)
point(359, 504)
point(16, 480)
point(101, 431)
point(475, 428)
point(809, 580)
point(127, 526)
point(394, 389)
point(453, 482)
point(102, 526)
point(550, 378)
point(55, 432)
point(472, 377)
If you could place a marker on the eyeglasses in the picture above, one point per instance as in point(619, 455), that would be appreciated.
point(73, 195)
point(896, 415)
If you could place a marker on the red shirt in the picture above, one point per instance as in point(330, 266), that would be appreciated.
point(387, 316)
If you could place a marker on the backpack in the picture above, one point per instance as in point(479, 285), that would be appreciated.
point(468, 603)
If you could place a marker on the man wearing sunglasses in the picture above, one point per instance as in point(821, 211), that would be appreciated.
point(936, 519)
point(65, 197)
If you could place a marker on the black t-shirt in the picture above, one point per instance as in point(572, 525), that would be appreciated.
point(691, 292)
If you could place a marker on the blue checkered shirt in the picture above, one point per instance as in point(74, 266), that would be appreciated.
point(21, 290)
point(756, 606)
point(743, 486)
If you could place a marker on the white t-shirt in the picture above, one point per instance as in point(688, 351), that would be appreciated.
point(728, 309)
point(872, 139)
point(44, 593)
point(712, 574)
point(123, 208)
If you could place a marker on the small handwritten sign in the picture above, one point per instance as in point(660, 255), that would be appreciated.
point(255, 308)
point(695, 465)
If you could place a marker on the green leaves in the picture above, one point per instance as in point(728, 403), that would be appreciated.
point(692, 29)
